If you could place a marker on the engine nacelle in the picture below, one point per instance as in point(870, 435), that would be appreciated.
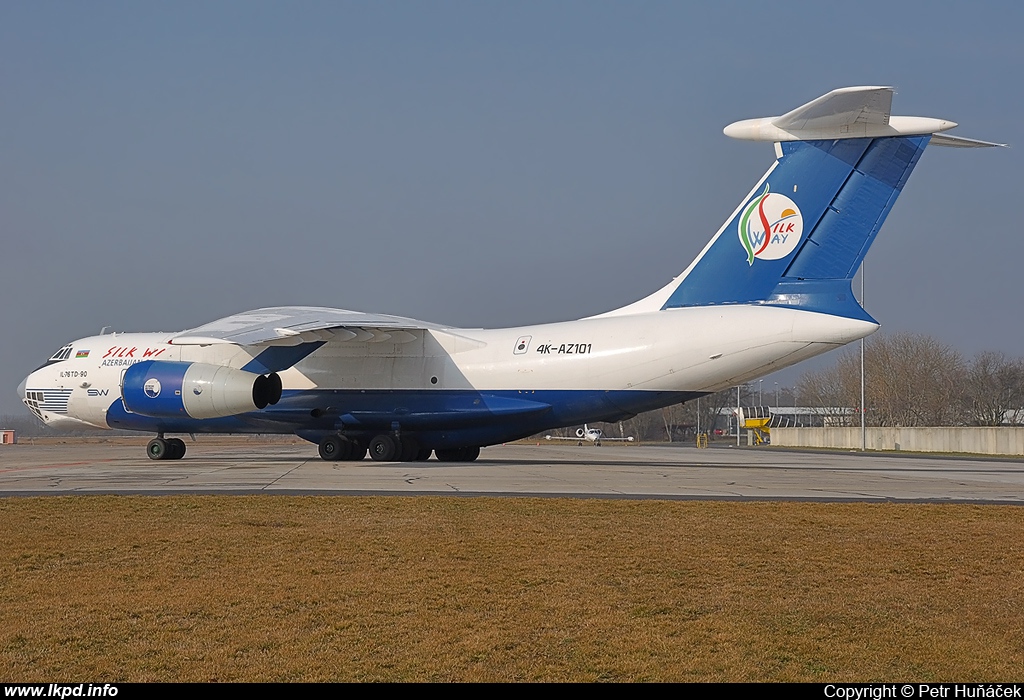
point(580, 432)
point(195, 390)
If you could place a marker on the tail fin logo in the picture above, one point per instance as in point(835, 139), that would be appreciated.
point(771, 226)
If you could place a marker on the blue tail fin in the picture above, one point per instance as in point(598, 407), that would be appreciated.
point(801, 236)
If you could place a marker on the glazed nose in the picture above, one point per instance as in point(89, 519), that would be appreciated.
point(21, 389)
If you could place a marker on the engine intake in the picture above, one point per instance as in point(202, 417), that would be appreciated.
point(178, 389)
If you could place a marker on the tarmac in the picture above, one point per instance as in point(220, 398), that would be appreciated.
point(246, 466)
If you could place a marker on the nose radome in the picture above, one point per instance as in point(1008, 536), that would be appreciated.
point(21, 388)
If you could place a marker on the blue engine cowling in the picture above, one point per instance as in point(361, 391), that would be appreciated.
point(176, 389)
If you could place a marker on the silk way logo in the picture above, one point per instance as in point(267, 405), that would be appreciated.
point(771, 226)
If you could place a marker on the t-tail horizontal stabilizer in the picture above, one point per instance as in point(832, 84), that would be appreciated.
point(847, 113)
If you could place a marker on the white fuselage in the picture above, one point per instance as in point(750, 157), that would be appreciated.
point(699, 349)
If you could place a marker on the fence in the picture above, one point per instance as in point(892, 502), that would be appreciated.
point(990, 441)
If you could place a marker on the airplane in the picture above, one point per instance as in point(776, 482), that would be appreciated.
point(594, 435)
point(771, 288)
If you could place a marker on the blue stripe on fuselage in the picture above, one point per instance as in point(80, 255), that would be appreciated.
point(442, 417)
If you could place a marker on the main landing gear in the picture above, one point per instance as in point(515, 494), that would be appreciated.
point(161, 448)
point(335, 447)
point(390, 448)
point(458, 454)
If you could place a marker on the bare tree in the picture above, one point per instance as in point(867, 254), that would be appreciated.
point(912, 380)
point(671, 417)
point(915, 381)
point(833, 391)
point(994, 385)
point(680, 421)
point(644, 426)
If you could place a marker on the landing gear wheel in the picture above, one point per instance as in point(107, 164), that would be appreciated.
point(449, 455)
point(175, 448)
point(458, 454)
point(384, 448)
point(157, 448)
point(331, 448)
point(409, 448)
point(357, 452)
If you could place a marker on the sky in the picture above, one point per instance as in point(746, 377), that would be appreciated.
point(481, 164)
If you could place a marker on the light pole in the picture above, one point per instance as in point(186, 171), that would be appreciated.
point(776, 396)
point(737, 415)
point(760, 399)
point(863, 410)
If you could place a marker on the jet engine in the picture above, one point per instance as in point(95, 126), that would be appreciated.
point(580, 433)
point(196, 390)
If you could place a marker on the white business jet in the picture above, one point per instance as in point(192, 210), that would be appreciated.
point(594, 435)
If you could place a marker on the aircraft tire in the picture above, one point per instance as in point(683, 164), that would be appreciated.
point(384, 448)
point(357, 452)
point(176, 448)
point(408, 449)
point(331, 448)
point(157, 449)
point(458, 454)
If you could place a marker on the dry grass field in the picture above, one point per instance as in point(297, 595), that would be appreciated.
point(487, 589)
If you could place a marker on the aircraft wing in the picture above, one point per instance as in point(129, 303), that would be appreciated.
point(296, 325)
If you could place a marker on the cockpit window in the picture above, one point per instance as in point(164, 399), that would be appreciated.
point(62, 354)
